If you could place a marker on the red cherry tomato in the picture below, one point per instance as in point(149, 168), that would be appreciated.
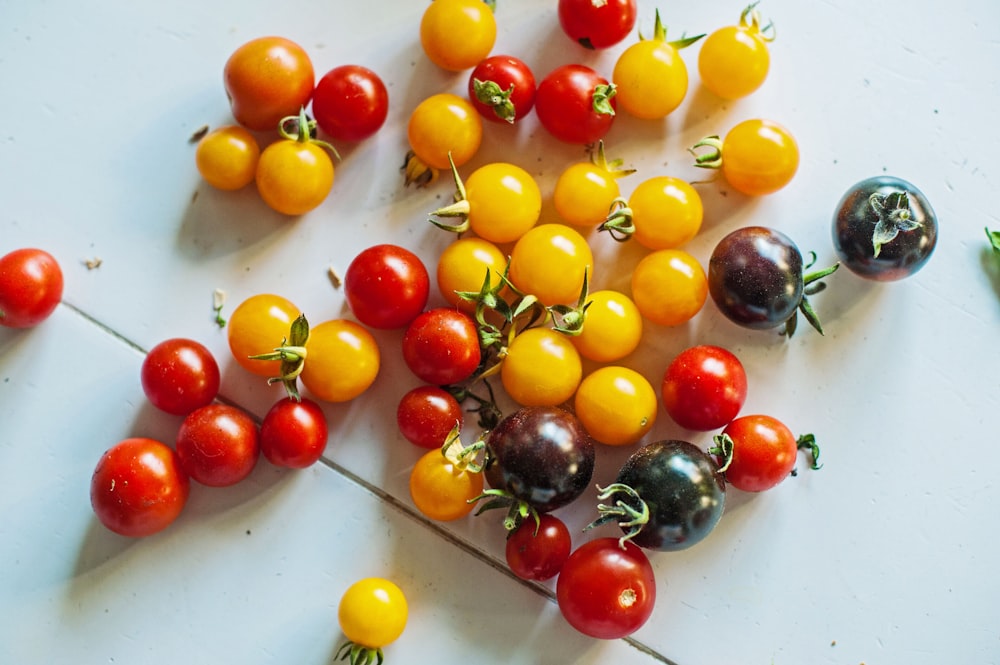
point(426, 416)
point(502, 88)
point(538, 554)
point(764, 452)
point(180, 375)
point(218, 445)
point(704, 388)
point(575, 104)
point(350, 103)
point(597, 25)
point(386, 286)
point(293, 433)
point(139, 487)
point(441, 346)
point(31, 285)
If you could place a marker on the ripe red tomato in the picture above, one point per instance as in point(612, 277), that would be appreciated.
point(426, 416)
point(764, 452)
point(218, 445)
point(293, 433)
point(441, 346)
point(138, 487)
point(350, 103)
point(575, 104)
point(502, 88)
point(386, 286)
point(597, 25)
point(538, 554)
point(180, 375)
point(704, 387)
point(267, 79)
point(31, 285)
point(605, 590)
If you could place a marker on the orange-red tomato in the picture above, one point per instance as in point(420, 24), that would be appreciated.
point(267, 79)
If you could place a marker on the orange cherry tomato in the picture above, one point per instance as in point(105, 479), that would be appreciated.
point(457, 34)
point(267, 79)
point(227, 157)
point(669, 287)
point(257, 326)
point(441, 124)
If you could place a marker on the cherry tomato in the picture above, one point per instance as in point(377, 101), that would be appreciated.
point(704, 387)
point(293, 433)
point(757, 157)
point(218, 445)
point(575, 104)
point(139, 487)
point(667, 212)
point(426, 415)
point(267, 79)
point(585, 191)
point(542, 368)
point(441, 124)
point(31, 286)
point(350, 103)
point(463, 266)
point(343, 360)
point(179, 375)
point(612, 328)
point(386, 286)
point(605, 590)
point(597, 25)
point(550, 262)
point(443, 486)
point(372, 613)
point(734, 60)
point(441, 346)
point(257, 326)
point(295, 174)
point(669, 287)
point(227, 157)
point(504, 202)
point(616, 404)
point(457, 34)
point(502, 88)
point(538, 551)
point(763, 454)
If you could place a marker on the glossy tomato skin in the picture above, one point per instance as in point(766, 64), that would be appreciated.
point(267, 79)
point(755, 277)
point(31, 286)
point(179, 375)
point(372, 613)
point(764, 452)
point(218, 445)
point(704, 387)
point(441, 346)
point(441, 124)
point(683, 489)
point(857, 230)
point(386, 286)
point(294, 177)
point(457, 34)
point(293, 433)
point(542, 455)
point(257, 326)
point(538, 552)
point(564, 104)
point(343, 361)
point(139, 487)
point(227, 157)
point(597, 25)
point(426, 415)
point(606, 591)
point(350, 103)
point(502, 88)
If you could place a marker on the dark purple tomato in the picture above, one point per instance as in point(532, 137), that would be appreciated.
point(884, 229)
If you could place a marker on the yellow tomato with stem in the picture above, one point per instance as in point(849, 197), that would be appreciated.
point(757, 156)
point(465, 265)
point(227, 157)
point(617, 405)
point(258, 326)
point(669, 287)
point(541, 368)
point(585, 191)
point(612, 327)
point(666, 212)
point(734, 60)
point(444, 482)
point(295, 174)
point(551, 262)
point(342, 360)
point(372, 614)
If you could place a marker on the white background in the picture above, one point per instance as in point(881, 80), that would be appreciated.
point(886, 555)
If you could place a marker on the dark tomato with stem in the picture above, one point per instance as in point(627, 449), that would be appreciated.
point(704, 387)
point(575, 104)
point(180, 375)
point(350, 103)
point(426, 415)
point(884, 229)
point(441, 346)
point(293, 433)
point(502, 88)
point(538, 551)
point(31, 285)
point(669, 495)
point(606, 590)
point(597, 25)
point(756, 452)
point(218, 445)
point(139, 487)
point(386, 286)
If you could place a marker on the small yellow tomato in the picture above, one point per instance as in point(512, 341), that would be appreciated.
point(734, 60)
point(757, 156)
point(612, 327)
point(464, 265)
point(441, 124)
point(550, 262)
point(294, 177)
point(442, 486)
point(342, 360)
point(372, 613)
point(227, 157)
point(541, 368)
point(457, 34)
point(669, 287)
point(616, 404)
point(504, 202)
point(666, 211)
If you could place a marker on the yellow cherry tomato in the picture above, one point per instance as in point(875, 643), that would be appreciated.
point(372, 613)
point(442, 485)
point(666, 211)
point(294, 177)
point(257, 326)
point(550, 262)
point(342, 360)
point(612, 327)
point(584, 193)
point(541, 368)
point(669, 287)
point(757, 157)
point(441, 124)
point(616, 404)
point(504, 201)
point(734, 60)
point(457, 34)
point(463, 266)
point(227, 157)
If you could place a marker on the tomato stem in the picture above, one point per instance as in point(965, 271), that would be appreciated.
point(632, 514)
point(808, 442)
point(517, 509)
point(491, 94)
point(357, 654)
point(305, 131)
point(711, 159)
point(723, 449)
point(460, 208)
point(660, 34)
point(416, 172)
point(613, 167)
point(619, 222)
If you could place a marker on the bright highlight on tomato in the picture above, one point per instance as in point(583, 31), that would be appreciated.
point(734, 60)
point(757, 157)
